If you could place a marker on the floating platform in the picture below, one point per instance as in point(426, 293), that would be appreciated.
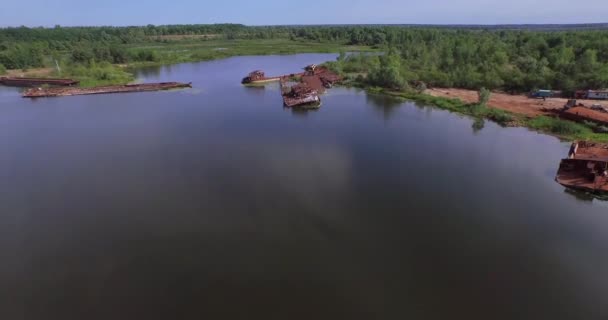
point(63, 92)
point(586, 168)
point(32, 82)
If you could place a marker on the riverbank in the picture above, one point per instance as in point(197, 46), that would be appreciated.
point(544, 123)
point(182, 51)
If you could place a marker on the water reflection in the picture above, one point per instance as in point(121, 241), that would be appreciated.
point(301, 112)
point(149, 71)
point(585, 196)
point(385, 105)
point(184, 205)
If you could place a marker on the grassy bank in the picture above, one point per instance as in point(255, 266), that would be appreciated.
point(196, 50)
point(563, 129)
point(95, 74)
point(154, 53)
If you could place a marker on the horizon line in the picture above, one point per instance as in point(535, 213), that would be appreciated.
point(318, 24)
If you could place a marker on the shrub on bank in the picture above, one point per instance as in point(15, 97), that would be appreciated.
point(558, 126)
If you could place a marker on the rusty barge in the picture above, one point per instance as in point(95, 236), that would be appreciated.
point(299, 95)
point(586, 168)
point(258, 77)
point(299, 89)
point(33, 82)
point(63, 92)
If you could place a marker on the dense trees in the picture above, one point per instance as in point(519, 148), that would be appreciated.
point(514, 60)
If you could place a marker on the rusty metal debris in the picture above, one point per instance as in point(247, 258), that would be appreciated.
point(299, 89)
point(32, 82)
point(62, 92)
point(586, 168)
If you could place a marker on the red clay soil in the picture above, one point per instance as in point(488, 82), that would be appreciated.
point(520, 104)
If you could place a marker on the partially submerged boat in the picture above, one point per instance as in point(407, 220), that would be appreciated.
point(33, 82)
point(258, 77)
point(143, 87)
point(586, 168)
point(299, 95)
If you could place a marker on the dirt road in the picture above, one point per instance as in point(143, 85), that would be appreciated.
point(520, 104)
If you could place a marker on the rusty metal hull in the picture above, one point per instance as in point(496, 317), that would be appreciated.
point(585, 169)
point(32, 82)
point(260, 81)
point(312, 101)
point(63, 92)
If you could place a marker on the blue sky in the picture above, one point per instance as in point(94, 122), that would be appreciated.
point(265, 12)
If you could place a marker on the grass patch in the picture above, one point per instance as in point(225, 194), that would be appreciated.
point(204, 50)
point(558, 126)
point(101, 74)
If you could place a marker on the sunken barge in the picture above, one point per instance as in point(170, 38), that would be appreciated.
point(33, 82)
point(63, 92)
point(258, 77)
point(299, 89)
point(586, 168)
point(300, 95)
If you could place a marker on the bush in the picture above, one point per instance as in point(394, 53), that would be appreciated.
point(484, 96)
point(558, 126)
point(2, 69)
point(499, 116)
point(146, 55)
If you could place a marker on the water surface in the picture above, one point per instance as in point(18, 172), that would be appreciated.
point(218, 203)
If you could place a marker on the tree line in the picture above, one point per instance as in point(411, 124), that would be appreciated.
point(512, 60)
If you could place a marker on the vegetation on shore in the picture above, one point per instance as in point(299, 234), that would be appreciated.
point(472, 58)
point(563, 129)
point(96, 74)
point(490, 57)
point(385, 74)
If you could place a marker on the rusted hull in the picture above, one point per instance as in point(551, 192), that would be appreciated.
point(260, 82)
point(63, 92)
point(303, 102)
point(585, 169)
point(575, 175)
point(32, 82)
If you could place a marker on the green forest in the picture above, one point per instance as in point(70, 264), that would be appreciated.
point(510, 60)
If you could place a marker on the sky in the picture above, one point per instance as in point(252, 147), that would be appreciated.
point(281, 12)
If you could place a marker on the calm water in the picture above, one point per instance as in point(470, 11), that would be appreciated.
point(216, 203)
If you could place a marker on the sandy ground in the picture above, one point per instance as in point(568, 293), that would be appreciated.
point(513, 103)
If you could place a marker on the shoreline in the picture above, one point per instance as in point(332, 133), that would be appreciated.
point(456, 100)
point(562, 129)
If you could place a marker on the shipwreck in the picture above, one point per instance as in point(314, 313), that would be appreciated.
point(585, 168)
point(71, 91)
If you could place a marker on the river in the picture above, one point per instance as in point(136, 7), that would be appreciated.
point(216, 203)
